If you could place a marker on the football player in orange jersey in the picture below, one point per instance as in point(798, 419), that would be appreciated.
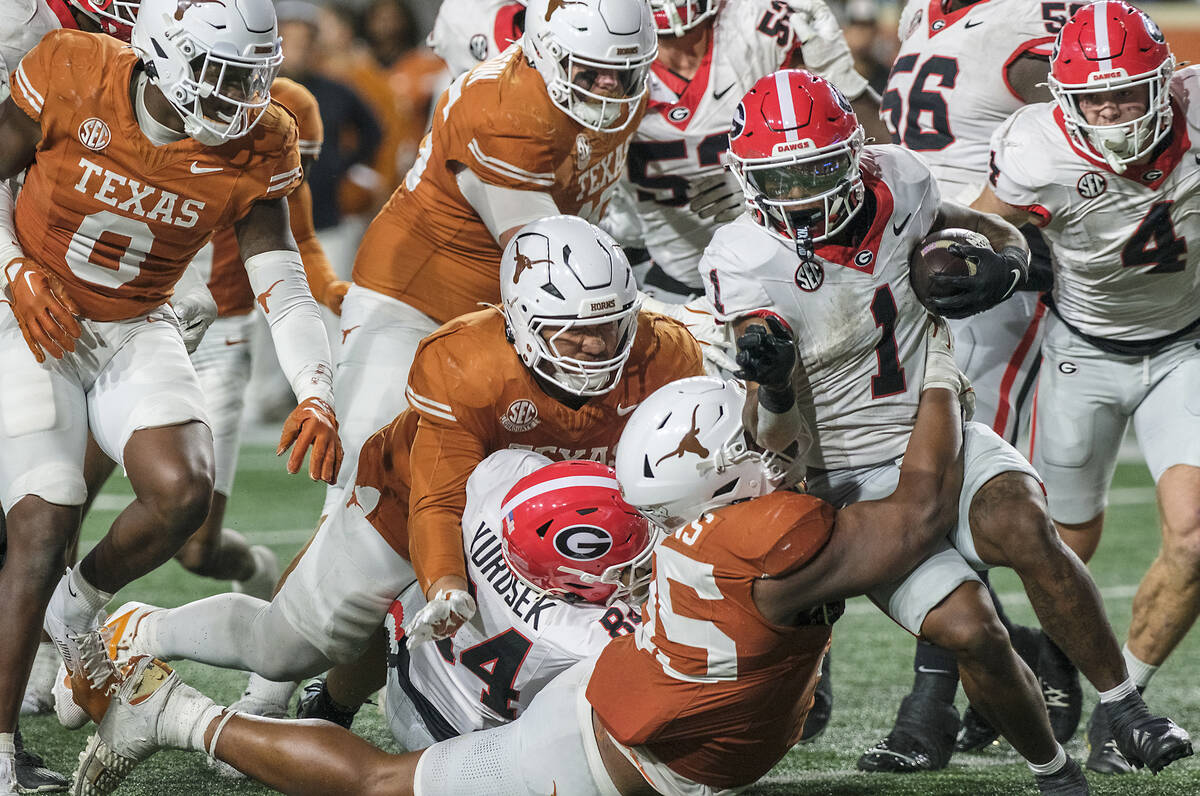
point(557, 371)
point(706, 696)
point(540, 129)
point(134, 157)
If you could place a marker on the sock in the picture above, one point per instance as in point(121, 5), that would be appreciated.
point(45, 667)
point(1053, 767)
point(8, 765)
point(190, 723)
point(1139, 671)
point(273, 693)
point(1118, 693)
point(8, 744)
point(936, 673)
point(82, 601)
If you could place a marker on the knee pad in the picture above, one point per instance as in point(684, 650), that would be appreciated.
point(476, 764)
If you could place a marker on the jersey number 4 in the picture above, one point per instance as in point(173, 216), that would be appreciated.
point(495, 662)
point(908, 128)
point(1155, 243)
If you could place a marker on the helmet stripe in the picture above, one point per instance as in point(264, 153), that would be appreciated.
point(1103, 46)
point(568, 482)
point(787, 109)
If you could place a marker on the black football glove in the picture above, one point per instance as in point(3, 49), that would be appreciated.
point(766, 357)
point(996, 276)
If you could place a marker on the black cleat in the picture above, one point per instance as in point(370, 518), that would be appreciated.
point(1059, 680)
point(32, 774)
point(1067, 781)
point(1103, 755)
point(315, 703)
point(1146, 740)
point(922, 740)
point(976, 733)
point(822, 707)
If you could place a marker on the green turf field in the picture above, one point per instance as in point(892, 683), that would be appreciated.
point(872, 662)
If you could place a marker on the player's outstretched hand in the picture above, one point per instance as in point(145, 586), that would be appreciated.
point(718, 197)
point(334, 295)
point(312, 424)
point(44, 311)
point(440, 618)
point(766, 356)
point(994, 276)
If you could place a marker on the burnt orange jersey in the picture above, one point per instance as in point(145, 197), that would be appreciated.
point(114, 217)
point(428, 246)
point(228, 283)
point(707, 685)
point(470, 395)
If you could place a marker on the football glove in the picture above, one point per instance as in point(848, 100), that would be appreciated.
point(823, 46)
point(718, 197)
point(312, 424)
point(698, 316)
point(196, 311)
point(940, 368)
point(994, 277)
point(44, 311)
point(334, 294)
point(766, 356)
point(440, 618)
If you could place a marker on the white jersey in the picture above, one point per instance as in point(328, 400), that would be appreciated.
point(469, 31)
point(859, 329)
point(948, 90)
point(686, 127)
point(22, 25)
point(517, 642)
point(1126, 247)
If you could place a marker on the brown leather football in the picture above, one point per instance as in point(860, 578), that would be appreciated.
point(932, 256)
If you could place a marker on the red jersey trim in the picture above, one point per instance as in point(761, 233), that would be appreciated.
point(63, 12)
point(690, 92)
point(884, 205)
point(1013, 369)
point(1032, 46)
point(939, 20)
point(1165, 162)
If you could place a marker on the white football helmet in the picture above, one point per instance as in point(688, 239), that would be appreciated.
point(576, 43)
point(559, 274)
point(214, 60)
point(684, 451)
point(677, 17)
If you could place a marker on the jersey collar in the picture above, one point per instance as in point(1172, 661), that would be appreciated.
point(852, 255)
point(939, 20)
point(690, 92)
point(1155, 171)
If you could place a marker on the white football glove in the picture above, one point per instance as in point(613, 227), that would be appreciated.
point(718, 197)
point(440, 618)
point(823, 46)
point(196, 312)
point(700, 319)
point(940, 368)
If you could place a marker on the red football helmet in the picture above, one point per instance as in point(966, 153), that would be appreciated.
point(677, 17)
point(794, 147)
point(115, 17)
point(1107, 46)
point(567, 531)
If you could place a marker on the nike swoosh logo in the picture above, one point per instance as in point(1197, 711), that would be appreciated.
point(198, 169)
point(624, 410)
point(973, 24)
point(927, 670)
point(235, 342)
point(718, 94)
point(71, 589)
point(898, 228)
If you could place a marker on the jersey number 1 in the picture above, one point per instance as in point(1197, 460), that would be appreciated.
point(890, 379)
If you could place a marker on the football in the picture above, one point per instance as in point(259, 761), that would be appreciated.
point(933, 256)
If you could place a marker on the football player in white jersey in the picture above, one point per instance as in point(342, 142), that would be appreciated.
point(1111, 172)
point(823, 256)
point(556, 560)
point(962, 68)
point(469, 31)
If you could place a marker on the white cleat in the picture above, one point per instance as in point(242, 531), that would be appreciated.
point(98, 669)
point(121, 632)
point(266, 574)
point(132, 727)
point(69, 714)
point(39, 691)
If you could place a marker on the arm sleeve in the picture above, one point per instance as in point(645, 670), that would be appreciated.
point(446, 448)
point(317, 268)
point(283, 296)
point(501, 209)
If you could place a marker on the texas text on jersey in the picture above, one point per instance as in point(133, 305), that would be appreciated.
point(469, 395)
point(428, 247)
point(706, 685)
point(113, 217)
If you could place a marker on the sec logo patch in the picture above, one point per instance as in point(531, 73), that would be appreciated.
point(94, 134)
point(810, 276)
point(521, 415)
point(1091, 185)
